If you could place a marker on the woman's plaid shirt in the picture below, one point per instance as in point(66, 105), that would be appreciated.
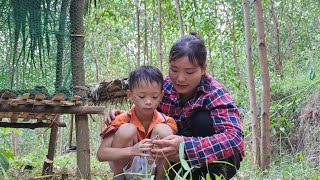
point(212, 96)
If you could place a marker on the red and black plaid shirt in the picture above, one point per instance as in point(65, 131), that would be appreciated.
point(212, 96)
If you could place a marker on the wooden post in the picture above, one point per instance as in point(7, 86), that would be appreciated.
point(70, 132)
point(14, 143)
point(61, 148)
point(48, 163)
point(83, 146)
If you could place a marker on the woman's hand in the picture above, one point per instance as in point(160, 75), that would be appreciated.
point(168, 147)
point(112, 115)
point(141, 148)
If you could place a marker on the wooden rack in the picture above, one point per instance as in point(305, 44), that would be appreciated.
point(39, 112)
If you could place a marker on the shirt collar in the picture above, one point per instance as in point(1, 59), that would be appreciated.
point(135, 120)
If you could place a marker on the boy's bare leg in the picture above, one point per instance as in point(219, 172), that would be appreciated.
point(160, 131)
point(125, 136)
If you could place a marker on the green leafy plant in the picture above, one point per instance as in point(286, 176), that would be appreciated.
point(4, 163)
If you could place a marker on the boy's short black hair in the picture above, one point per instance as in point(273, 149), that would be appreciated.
point(148, 74)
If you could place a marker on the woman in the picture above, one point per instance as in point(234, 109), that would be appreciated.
point(207, 118)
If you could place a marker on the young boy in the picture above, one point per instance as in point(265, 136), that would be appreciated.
point(127, 140)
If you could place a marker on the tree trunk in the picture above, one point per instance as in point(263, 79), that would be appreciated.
point(265, 108)
point(279, 65)
point(180, 17)
point(159, 36)
point(78, 79)
point(145, 49)
point(251, 88)
point(223, 64)
point(230, 23)
point(138, 31)
point(194, 15)
point(107, 49)
point(289, 44)
point(234, 46)
point(95, 56)
point(210, 57)
point(153, 41)
point(60, 43)
point(77, 42)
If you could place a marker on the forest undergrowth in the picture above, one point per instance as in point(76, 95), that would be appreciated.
point(284, 166)
point(295, 129)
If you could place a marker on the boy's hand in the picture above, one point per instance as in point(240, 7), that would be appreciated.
point(112, 115)
point(141, 148)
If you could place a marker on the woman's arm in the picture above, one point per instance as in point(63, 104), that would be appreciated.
point(168, 147)
point(228, 139)
point(112, 115)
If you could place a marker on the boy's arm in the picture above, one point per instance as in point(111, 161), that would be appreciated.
point(108, 153)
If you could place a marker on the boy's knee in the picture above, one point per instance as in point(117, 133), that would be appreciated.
point(126, 131)
point(162, 130)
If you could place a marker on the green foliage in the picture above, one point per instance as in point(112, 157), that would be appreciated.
point(29, 43)
point(181, 157)
point(4, 163)
point(5, 153)
point(285, 166)
point(287, 97)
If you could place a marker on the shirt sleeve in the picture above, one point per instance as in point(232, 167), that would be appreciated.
point(228, 139)
point(172, 123)
point(115, 124)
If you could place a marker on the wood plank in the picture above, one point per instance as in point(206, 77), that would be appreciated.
point(40, 116)
point(14, 102)
point(59, 103)
point(25, 96)
point(78, 110)
point(30, 116)
point(3, 101)
point(14, 117)
point(58, 97)
point(24, 99)
point(53, 103)
point(6, 95)
point(8, 114)
point(1, 115)
point(75, 98)
point(39, 103)
point(78, 103)
point(25, 116)
point(30, 125)
point(67, 103)
point(40, 97)
point(50, 117)
point(29, 101)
